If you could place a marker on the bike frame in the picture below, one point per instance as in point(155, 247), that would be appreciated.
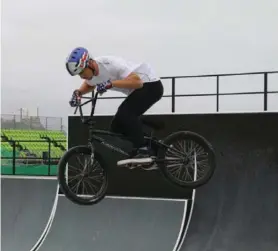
point(94, 133)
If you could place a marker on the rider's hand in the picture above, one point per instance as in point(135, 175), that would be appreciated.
point(75, 99)
point(102, 87)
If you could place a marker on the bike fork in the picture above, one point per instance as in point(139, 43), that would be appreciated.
point(92, 152)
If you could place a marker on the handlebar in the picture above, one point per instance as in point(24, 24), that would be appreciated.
point(79, 107)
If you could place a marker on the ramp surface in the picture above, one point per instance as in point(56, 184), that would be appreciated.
point(236, 214)
point(25, 210)
point(237, 210)
point(115, 225)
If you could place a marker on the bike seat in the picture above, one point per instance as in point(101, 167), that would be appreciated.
point(156, 125)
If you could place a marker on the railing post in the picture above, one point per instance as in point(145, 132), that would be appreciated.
point(14, 157)
point(14, 121)
point(217, 93)
point(173, 93)
point(265, 91)
point(49, 157)
point(61, 128)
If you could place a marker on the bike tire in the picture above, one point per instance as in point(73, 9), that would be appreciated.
point(62, 178)
point(187, 135)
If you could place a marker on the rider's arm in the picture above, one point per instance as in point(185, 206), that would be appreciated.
point(85, 88)
point(131, 81)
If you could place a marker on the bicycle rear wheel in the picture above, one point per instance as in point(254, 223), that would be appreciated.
point(189, 161)
point(93, 179)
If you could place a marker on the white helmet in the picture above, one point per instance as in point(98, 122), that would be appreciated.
point(77, 61)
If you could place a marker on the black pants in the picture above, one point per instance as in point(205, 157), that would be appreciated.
point(126, 121)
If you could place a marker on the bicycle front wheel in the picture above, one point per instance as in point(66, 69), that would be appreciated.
point(82, 178)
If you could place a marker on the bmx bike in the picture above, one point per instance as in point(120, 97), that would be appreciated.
point(184, 158)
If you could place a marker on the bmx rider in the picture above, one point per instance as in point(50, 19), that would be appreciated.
point(137, 81)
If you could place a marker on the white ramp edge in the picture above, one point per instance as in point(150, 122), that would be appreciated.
point(48, 224)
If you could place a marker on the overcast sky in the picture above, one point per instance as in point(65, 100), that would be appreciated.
point(176, 37)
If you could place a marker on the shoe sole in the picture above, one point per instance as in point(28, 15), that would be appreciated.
point(135, 161)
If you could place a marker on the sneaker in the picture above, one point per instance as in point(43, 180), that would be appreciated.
point(141, 156)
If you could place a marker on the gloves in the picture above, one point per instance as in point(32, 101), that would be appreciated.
point(102, 87)
point(75, 99)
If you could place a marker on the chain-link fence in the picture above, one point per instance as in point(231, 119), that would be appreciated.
point(10, 121)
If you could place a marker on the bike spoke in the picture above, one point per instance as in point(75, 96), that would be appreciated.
point(79, 161)
point(74, 168)
point(72, 179)
point(76, 185)
point(93, 187)
point(174, 152)
point(86, 187)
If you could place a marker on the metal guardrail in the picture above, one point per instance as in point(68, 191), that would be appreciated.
point(217, 77)
point(29, 159)
point(49, 160)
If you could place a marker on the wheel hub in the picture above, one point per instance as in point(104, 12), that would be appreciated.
point(85, 175)
point(185, 161)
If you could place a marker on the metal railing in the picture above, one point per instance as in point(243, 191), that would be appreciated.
point(217, 94)
point(48, 160)
point(30, 160)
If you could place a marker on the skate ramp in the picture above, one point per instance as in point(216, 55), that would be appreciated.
point(35, 217)
point(237, 210)
point(116, 224)
point(26, 205)
point(237, 213)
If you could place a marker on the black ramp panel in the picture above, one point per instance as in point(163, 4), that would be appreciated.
point(25, 210)
point(238, 209)
point(115, 225)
